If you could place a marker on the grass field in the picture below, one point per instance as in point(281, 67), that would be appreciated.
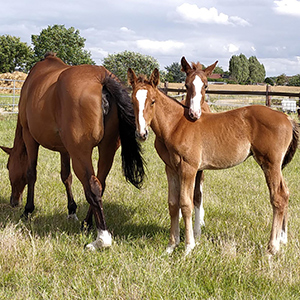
point(44, 258)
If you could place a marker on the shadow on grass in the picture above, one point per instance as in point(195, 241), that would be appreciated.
point(43, 223)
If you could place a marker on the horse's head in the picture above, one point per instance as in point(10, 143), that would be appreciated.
point(196, 85)
point(143, 99)
point(17, 174)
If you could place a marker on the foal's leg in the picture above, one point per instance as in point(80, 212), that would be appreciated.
point(66, 177)
point(187, 184)
point(32, 148)
point(198, 204)
point(173, 201)
point(279, 195)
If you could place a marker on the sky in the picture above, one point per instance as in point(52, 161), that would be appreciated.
point(203, 31)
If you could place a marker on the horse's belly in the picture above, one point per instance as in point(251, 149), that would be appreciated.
point(48, 137)
point(225, 157)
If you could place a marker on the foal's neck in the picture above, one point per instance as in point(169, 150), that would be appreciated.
point(168, 113)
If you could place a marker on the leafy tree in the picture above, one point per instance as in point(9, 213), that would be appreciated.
point(281, 79)
point(239, 68)
point(119, 63)
point(174, 73)
point(218, 70)
point(246, 71)
point(66, 43)
point(14, 54)
point(295, 80)
point(269, 81)
point(257, 72)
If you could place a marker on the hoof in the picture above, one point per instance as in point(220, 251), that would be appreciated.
point(103, 240)
point(170, 249)
point(189, 248)
point(72, 217)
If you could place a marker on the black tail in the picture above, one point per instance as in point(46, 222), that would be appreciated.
point(293, 145)
point(132, 161)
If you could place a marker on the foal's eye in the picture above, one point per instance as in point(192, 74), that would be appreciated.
point(152, 102)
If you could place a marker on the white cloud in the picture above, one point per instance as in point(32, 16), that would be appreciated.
point(231, 48)
point(126, 30)
point(287, 7)
point(165, 47)
point(192, 13)
point(277, 66)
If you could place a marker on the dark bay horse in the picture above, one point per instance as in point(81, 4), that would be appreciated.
point(215, 141)
point(72, 109)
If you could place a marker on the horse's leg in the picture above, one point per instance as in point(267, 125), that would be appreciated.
point(32, 148)
point(173, 201)
point(83, 168)
point(66, 177)
point(187, 184)
point(283, 236)
point(198, 204)
point(279, 195)
point(107, 152)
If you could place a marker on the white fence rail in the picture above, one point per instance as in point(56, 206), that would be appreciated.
point(9, 95)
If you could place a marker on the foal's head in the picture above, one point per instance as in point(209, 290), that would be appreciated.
point(196, 85)
point(143, 99)
point(17, 168)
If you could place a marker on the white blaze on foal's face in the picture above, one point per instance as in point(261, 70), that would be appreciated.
point(141, 96)
point(195, 106)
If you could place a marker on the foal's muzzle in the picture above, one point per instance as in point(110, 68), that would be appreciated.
point(194, 115)
point(142, 136)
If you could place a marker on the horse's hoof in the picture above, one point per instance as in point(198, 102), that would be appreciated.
point(104, 240)
point(24, 216)
point(73, 217)
point(189, 248)
point(170, 248)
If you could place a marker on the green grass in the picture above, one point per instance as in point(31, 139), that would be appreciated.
point(45, 258)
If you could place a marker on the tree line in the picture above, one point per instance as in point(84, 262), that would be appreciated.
point(69, 46)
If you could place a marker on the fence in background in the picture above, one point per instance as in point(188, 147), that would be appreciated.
point(10, 94)
point(289, 105)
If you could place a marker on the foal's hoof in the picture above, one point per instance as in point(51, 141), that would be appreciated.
point(189, 248)
point(103, 240)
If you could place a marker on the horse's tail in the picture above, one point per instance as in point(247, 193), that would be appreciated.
point(293, 145)
point(131, 153)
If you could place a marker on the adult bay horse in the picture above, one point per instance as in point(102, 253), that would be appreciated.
point(215, 141)
point(72, 109)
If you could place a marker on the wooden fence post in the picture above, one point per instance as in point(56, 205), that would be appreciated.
point(166, 86)
point(268, 97)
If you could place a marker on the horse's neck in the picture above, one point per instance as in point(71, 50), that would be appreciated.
point(19, 145)
point(168, 113)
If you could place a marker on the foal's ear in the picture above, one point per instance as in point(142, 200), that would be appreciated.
point(208, 71)
point(6, 149)
point(185, 67)
point(131, 77)
point(154, 78)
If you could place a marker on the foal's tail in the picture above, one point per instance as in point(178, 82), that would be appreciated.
point(293, 145)
point(131, 153)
